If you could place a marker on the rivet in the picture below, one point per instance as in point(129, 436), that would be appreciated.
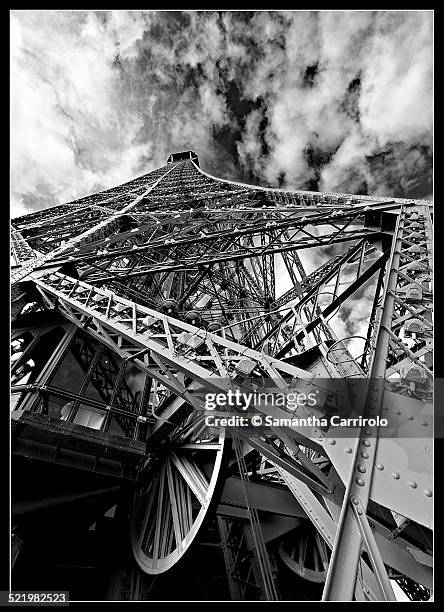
point(395, 475)
point(355, 500)
point(379, 466)
point(368, 432)
point(423, 422)
point(385, 407)
point(398, 412)
point(360, 481)
point(364, 455)
point(366, 443)
point(412, 484)
point(410, 418)
point(359, 511)
point(332, 442)
point(348, 449)
point(361, 469)
point(428, 493)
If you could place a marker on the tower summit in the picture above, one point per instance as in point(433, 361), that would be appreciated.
point(175, 157)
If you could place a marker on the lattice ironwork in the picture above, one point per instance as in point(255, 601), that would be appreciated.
point(182, 284)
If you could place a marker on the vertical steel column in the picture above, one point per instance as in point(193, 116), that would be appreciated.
point(353, 523)
point(228, 558)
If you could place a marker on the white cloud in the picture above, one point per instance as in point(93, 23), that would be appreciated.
point(66, 132)
point(396, 100)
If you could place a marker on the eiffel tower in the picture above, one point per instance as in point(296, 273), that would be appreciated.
point(131, 306)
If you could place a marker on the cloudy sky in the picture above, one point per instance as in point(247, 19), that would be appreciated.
point(333, 101)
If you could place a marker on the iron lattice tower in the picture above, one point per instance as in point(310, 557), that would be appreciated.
point(129, 304)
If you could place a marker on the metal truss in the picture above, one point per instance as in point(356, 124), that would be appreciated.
point(202, 285)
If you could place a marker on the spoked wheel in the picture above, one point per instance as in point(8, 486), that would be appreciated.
point(306, 554)
point(172, 502)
